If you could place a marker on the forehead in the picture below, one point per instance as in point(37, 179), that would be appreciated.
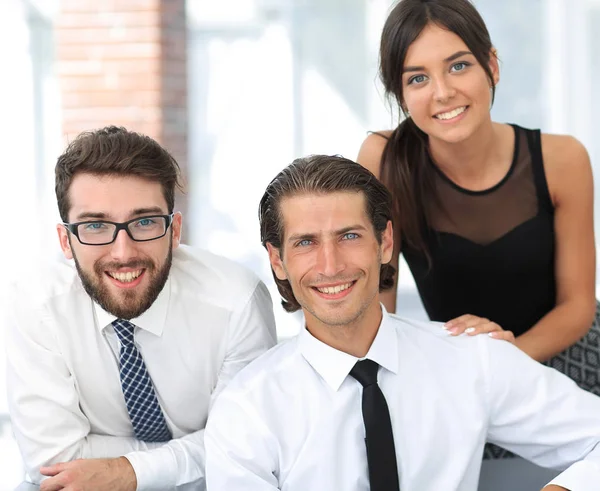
point(433, 44)
point(316, 213)
point(115, 196)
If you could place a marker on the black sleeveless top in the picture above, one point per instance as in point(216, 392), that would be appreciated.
point(492, 251)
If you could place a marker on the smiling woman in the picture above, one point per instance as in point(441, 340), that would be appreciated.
point(494, 220)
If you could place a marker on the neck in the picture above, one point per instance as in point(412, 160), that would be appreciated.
point(354, 338)
point(471, 160)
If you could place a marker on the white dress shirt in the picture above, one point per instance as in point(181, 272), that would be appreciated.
point(64, 391)
point(292, 419)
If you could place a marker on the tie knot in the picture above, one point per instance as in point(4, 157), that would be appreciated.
point(365, 371)
point(124, 330)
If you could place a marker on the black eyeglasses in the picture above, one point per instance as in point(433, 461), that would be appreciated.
point(140, 229)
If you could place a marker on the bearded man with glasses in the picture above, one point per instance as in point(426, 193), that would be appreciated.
point(114, 363)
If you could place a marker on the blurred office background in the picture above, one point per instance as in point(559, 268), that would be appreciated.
point(237, 89)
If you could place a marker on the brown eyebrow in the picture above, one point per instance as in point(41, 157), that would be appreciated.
point(145, 211)
point(103, 216)
point(89, 214)
point(309, 236)
point(453, 57)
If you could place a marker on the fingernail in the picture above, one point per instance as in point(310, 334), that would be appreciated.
point(493, 334)
point(469, 330)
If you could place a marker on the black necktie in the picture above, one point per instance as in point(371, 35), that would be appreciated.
point(381, 454)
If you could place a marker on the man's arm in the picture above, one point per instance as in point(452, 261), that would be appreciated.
point(43, 401)
point(51, 428)
point(241, 452)
point(251, 332)
point(543, 416)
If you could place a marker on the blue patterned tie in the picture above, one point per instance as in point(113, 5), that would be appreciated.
point(145, 413)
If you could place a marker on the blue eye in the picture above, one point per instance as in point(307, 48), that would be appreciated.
point(304, 243)
point(350, 236)
point(95, 225)
point(460, 66)
point(417, 79)
point(145, 222)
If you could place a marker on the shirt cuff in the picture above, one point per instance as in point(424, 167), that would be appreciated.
point(155, 470)
point(581, 476)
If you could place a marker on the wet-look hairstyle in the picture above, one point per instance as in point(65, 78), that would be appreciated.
point(118, 152)
point(322, 174)
point(404, 162)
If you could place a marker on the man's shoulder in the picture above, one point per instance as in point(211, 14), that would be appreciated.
point(205, 271)
point(44, 291)
point(45, 279)
point(418, 327)
point(265, 373)
point(432, 339)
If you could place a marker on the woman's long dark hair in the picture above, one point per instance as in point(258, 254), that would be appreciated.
point(404, 163)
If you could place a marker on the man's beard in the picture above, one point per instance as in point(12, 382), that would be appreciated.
point(131, 304)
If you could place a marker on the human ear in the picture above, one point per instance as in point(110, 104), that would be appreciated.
point(276, 262)
point(63, 239)
point(387, 243)
point(494, 66)
point(177, 226)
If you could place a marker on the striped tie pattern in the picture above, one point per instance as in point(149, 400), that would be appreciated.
point(144, 410)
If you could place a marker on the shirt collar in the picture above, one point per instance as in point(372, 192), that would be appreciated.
point(334, 365)
point(153, 320)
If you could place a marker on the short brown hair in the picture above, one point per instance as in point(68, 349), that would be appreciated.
point(115, 151)
point(322, 174)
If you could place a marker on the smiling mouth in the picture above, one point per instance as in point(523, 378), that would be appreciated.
point(451, 114)
point(332, 290)
point(127, 277)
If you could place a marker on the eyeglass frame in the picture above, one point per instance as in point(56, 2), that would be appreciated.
point(72, 227)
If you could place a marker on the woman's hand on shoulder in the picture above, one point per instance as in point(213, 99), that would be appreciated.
point(371, 150)
point(473, 325)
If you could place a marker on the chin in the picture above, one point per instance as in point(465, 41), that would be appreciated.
point(126, 307)
point(453, 135)
point(337, 319)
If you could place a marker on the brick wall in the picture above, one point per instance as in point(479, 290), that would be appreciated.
point(124, 62)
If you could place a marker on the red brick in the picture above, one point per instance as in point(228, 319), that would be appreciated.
point(108, 5)
point(69, 40)
point(110, 99)
point(147, 18)
point(124, 62)
point(122, 113)
point(115, 81)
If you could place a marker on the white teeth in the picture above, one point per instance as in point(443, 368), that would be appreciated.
point(451, 114)
point(126, 277)
point(334, 289)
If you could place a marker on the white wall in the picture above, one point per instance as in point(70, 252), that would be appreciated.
point(271, 80)
point(28, 138)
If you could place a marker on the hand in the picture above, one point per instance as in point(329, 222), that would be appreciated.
point(473, 325)
point(90, 475)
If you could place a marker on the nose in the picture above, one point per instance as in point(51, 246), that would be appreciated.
point(330, 261)
point(443, 89)
point(123, 248)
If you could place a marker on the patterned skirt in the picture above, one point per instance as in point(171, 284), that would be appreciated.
point(581, 362)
